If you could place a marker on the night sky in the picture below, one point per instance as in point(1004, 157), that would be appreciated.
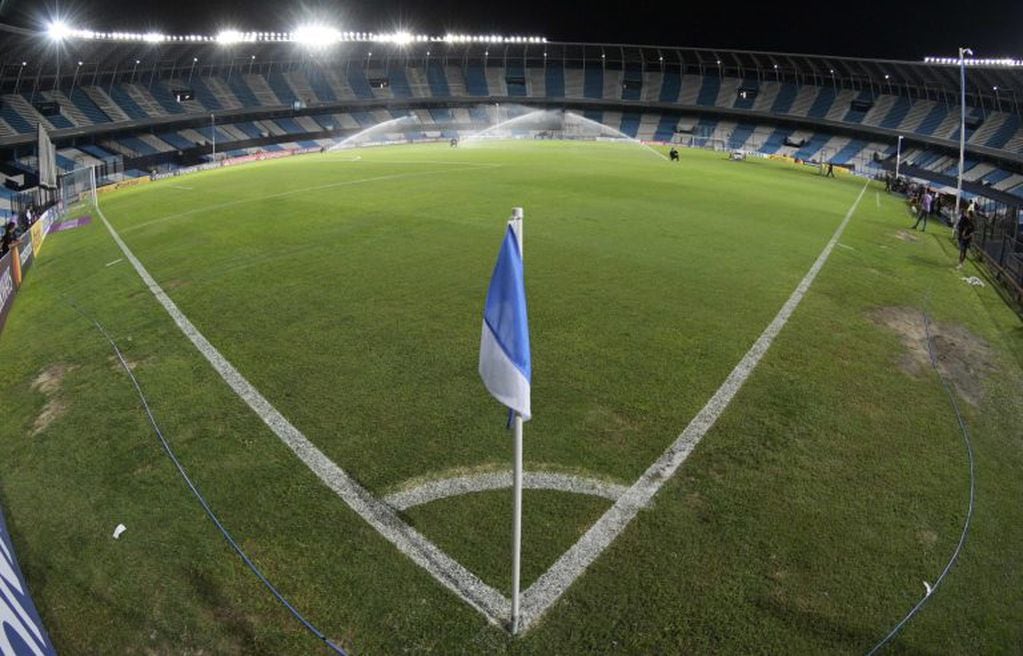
point(897, 29)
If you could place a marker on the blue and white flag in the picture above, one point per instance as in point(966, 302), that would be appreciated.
point(504, 346)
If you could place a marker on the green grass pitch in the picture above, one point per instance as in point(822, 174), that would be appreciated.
point(348, 288)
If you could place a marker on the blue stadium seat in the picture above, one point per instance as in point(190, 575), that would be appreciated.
point(289, 126)
point(441, 115)
point(850, 150)
point(630, 123)
point(176, 140)
point(59, 121)
point(822, 103)
point(1004, 133)
point(139, 146)
point(126, 103)
point(318, 83)
point(812, 147)
point(933, 119)
point(783, 101)
point(14, 119)
point(476, 80)
point(750, 83)
point(515, 79)
point(96, 151)
point(554, 80)
point(893, 119)
point(250, 129)
point(437, 79)
point(632, 82)
point(281, 88)
point(740, 135)
point(671, 85)
point(242, 91)
point(398, 82)
point(855, 115)
point(709, 91)
point(84, 103)
point(359, 83)
point(203, 94)
point(666, 127)
point(593, 82)
point(776, 140)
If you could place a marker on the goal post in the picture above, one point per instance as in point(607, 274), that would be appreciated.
point(78, 186)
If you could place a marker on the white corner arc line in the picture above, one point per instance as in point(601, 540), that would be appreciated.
point(470, 484)
point(555, 581)
point(466, 585)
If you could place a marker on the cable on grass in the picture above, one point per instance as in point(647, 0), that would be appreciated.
point(969, 510)
point(198, 495)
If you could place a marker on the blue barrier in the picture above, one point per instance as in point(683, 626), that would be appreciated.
point(21, 631)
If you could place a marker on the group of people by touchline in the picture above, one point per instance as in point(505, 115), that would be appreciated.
point(927, 203)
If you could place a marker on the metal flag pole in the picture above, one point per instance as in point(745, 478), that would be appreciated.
point(213, 133)
point(898, 156)
point(962, 128)
point(516, 223)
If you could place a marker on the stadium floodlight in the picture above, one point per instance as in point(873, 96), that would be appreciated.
point(58, 30)
point(154, 37)
point(316, 36)
point(228, 37)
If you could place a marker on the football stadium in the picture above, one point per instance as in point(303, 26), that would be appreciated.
point(272, 305)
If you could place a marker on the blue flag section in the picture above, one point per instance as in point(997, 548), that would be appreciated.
point(21, 630)
point(505, 363)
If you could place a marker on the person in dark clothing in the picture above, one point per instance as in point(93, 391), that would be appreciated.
point(831, 171)
point(966, 228)
point(8, 238)
point(673, 154)
point(888, 182)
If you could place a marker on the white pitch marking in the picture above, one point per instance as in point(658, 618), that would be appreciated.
point(466, 585)
point(473, 483)
point(180, 187)
point(877, 198)
point(554, 582)
point(450, 573)
point(252, 199)
point(120, 259)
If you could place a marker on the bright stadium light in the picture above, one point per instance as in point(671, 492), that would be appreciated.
point(316, 36)
point(58, 31)
point(227, 37)
point(152, 37)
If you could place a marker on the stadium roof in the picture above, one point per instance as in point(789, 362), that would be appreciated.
point(30, 57)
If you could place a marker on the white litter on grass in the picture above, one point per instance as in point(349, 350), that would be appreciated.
point(120, 259)
point(121, 528)
point(180, 187)
point(927, 586)
point(973, 280)
point(846, 246)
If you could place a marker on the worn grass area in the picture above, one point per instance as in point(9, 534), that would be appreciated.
point(349, 293)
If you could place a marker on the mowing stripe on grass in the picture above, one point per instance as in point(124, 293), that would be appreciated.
point(473, 483)
point(283, 194)
point(466, 585)
point(554, 582)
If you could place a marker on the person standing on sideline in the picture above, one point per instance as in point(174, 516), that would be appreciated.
point(966, 229)
point(831, 171)
point(924, 210)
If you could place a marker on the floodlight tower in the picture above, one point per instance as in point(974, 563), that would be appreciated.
point(962, 128)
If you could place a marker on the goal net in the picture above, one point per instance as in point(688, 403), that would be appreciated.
point(77, 188)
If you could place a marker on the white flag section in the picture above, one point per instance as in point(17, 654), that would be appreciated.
point(504, 345)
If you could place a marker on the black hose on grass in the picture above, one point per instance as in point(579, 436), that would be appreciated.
point(969, 510)
point(198, 495)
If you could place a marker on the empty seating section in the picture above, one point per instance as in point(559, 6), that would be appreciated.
point(849, 151)
point(776, 140)
point(163, 96)
point(13, 118)
point(281, 89)
point(554, 80)
point(856, 113)
point(897, 114)
point(176, 140)
point(357, 80)
point(84, 103)
point(127, 103)
point(822, 103)
point(398, 82)
point(515, 79)
point(320, 86)
point(632, 82)
point(666, 127)
point(593, 81)
point(740, 135)
point(671, 85)
point(475, 79)
point(630, 123)
point(933, 119)
point(1004, 133)
point(785, 99)
point(203, 94)
point(812, 147)
point(746, 94)
point(437, 79)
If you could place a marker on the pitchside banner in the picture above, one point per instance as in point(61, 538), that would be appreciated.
point(21, 630)
point(6, 288)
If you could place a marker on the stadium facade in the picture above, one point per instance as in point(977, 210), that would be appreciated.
point(150, 102)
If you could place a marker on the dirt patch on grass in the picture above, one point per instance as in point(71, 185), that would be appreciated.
point(964, 359)
point(926, 537)
point(906, 235)
point(49, 382)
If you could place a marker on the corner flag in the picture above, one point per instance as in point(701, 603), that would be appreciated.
point(505, 364)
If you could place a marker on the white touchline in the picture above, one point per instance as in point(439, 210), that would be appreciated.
point(877, 198)
point(466, 585)
point(451, 574)
point(554, 582)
